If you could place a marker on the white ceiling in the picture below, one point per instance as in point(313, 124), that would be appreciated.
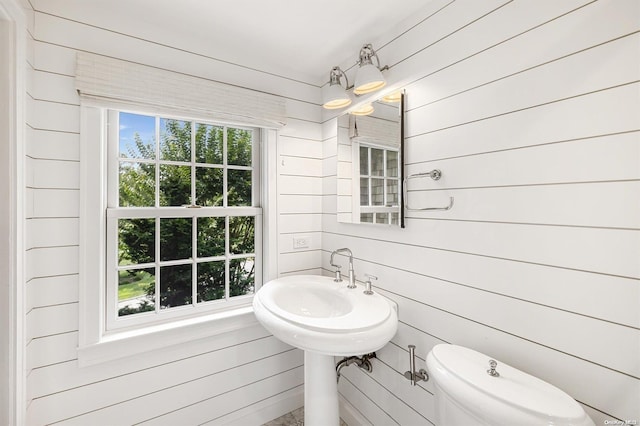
point(298, 39)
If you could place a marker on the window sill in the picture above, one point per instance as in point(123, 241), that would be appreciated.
point(127, 343)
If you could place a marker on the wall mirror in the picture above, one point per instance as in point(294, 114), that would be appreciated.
point(370, 163)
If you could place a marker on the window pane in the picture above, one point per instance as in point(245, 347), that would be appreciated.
point(175, 140)
point(239, 147)
point(239, 187)
point(394, 218)
point(137, 185)
point(210, 281)
point(175, 286)
point(175, 238)
point(392, 163)
point(241, 276)
point(137, 136)
point(392, 192)
point(175, 185)
point(377, 192)
point(136, 291)
point(377, 162)
point(241, 235)
point(209, 140)
point(364, 191)
point(211, 236)
point(366, 217)
point(209, 186)
point(382, 217)
point(136, 241)
point(364, 161)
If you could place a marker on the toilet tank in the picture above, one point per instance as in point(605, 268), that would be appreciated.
point(466, 394)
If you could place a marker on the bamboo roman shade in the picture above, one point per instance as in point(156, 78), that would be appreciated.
point(113, 79)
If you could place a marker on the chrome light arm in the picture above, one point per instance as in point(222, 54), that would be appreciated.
point(334, 77)
point(366, 54)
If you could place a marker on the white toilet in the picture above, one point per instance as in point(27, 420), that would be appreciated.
point(469, 392)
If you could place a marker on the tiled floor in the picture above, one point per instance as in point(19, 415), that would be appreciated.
point(294, 418)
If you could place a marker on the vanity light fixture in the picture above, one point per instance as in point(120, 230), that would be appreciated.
point(336, 95)
point(392, 97)
point(365, 109)
point(369, 77)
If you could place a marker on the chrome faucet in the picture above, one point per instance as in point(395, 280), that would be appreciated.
point(352, 275)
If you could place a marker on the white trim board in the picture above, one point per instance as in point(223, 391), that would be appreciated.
point(12, 403)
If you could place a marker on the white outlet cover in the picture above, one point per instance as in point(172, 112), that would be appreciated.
point(301, 241)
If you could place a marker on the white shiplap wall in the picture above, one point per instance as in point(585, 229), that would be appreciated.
point(532, 112)
point(217, 381)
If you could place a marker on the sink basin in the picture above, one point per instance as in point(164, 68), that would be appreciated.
point(316, 314)
point(324, 318)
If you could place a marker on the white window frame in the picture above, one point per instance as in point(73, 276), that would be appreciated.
point(115, 212)
point(98, 342)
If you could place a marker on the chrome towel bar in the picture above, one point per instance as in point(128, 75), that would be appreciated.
point(434, 174)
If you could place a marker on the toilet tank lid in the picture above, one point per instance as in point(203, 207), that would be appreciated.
point(513, 387)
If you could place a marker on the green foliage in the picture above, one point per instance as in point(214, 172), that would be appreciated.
point(241, 273)
point(239, 147)
point(210, 281)
point(137, 236)
point(137, 184)
point(133, 283)
point(145, 306)
point(137, 240)
point(175, 185)
point(175, 285)
point(209, 146)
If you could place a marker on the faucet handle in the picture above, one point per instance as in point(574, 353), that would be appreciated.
point(367, 284)
point(338, 277)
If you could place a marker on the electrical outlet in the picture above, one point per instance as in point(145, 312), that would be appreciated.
point(301, 241)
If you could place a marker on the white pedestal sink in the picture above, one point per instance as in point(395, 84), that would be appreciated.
point(325, 319)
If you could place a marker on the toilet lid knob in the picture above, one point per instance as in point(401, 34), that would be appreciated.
point(492, 368)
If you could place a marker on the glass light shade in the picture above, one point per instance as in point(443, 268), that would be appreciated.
point(365, 109)
point(368, 79)
point(392, 97)
point(336, 97)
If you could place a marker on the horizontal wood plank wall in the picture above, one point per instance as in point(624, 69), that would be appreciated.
point(197, 383)
point(531, 110)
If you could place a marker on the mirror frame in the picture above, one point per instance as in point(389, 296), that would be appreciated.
point(403, 177)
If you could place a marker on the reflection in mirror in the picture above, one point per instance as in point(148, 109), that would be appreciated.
point(369, 169)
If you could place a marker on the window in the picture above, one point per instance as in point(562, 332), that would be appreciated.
point(184, 188)
point(183, 215)
point(379, 185)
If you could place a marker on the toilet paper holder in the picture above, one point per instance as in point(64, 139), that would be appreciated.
point(413, 375)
